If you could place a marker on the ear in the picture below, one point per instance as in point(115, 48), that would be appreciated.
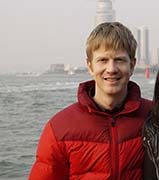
point(89, 66)
point(132, 65)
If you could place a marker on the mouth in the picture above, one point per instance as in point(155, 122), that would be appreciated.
point(112, 79)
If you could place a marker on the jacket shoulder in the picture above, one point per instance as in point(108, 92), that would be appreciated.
point(67, 113)
point(146, 104)
point(68, 118)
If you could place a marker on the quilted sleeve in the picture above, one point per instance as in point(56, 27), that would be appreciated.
point(50, 163)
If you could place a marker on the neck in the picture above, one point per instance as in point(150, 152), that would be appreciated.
point(109, 102)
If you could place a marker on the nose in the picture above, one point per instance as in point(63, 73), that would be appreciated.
point(111, 67)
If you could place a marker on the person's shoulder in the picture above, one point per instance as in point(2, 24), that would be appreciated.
point(64, 121)
point(67, 112)
point(147, 103)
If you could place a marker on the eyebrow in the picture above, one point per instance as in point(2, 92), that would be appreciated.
point(121, 57)
point(101, 57)
point(116, 57)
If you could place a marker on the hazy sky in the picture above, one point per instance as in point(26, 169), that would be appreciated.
point(36, 33)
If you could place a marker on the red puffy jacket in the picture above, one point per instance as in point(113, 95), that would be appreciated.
point(83, 143)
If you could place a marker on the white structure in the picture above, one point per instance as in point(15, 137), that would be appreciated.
point(141, 35)
point(137, 35)
point(105, 12)
point(155, 56)
point(145, 57)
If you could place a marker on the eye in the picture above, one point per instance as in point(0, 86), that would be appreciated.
point(119, 59)
point(102, 60)
point(122, 60)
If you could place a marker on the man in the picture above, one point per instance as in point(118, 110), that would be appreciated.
point(98, 137)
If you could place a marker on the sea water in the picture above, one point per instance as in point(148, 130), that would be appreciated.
point(26, 104)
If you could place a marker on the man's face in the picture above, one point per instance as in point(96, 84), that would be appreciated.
point(111, 70)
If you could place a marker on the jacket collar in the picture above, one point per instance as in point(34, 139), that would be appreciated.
point(86, 90)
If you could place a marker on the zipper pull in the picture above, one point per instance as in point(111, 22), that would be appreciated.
point(113, 122)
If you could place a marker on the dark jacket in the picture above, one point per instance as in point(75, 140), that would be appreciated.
point(151, 143)
point(82, 142)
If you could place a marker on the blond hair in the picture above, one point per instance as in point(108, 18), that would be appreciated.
point(113, 35)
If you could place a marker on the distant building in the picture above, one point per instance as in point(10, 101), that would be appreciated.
point(69, 70)
point(105, 12)
point(155, 56)
point(145, 57)
point(137, 35)
point(56, 68)
point(81, 70)
point(141, 35)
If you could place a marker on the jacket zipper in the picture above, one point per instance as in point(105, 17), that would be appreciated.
point(114, 151)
